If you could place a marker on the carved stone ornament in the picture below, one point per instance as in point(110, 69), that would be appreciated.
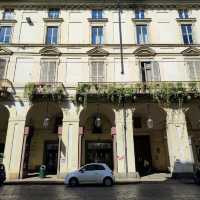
point(191, 51)
point(144, 51)
point(5, 51)
point(50, 51)
point(97, 51)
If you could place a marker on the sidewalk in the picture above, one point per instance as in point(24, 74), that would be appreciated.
point(49, 180)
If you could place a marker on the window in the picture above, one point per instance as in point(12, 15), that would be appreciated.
point(8, 14)
point(194, 70)
point(5, 34)
point(48, 71)
point(97, 14)
point(97, 72)
point(150, 71)
point(187, 33)
point(97, 35)
point(99, 167)
point(53, 13)
point(90, 168)
point(52, 35)
point(142, 36)
point(2, 68)
point(183, 14)
point(139, 14)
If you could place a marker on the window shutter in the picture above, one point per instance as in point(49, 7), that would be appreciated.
point(2, 68)
point(156, 71)
point(44, 71)
point(94, 71)
point(197, 67)
point(191, 70)
point(148, 71)
point(52, 72)
point(100, 72)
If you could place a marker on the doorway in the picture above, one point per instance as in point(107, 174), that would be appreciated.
point(143, 157)
point(99, 152)
point(51, 157)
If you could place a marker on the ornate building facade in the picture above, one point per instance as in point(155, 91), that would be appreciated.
point(68, 98)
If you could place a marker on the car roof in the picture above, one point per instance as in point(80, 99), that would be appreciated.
point(96, 164)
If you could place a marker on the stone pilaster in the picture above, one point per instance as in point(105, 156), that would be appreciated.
point(125, 143)
point(181, 161)
point(70, 139)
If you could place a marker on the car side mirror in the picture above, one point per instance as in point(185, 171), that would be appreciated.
point(81, 170)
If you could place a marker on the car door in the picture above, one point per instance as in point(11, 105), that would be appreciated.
point(99, 173)
point(88, 174)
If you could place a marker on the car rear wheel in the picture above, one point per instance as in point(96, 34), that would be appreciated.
point(108, 181)
point(73, 182)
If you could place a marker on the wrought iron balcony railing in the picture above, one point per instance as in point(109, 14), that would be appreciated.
point(53, 91)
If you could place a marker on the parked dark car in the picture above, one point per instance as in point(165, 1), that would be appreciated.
point(2, 174)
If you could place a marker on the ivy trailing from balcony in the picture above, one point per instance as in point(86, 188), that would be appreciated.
point(160, 92)
point(44, 92)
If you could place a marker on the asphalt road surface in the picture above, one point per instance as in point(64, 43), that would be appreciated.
point(150, 191)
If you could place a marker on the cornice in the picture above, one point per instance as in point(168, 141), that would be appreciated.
point(109, 4)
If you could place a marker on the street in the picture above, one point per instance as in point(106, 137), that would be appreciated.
point(144, 191)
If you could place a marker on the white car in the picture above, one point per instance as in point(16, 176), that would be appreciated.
point(98, 173)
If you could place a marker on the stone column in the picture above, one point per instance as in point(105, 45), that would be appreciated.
point(181, 161)
point(71, 138)
point(125, 143)
point(120, 143)
point(15, 144)
point(130, 144)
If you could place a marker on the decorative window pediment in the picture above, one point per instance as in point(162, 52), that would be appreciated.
point(144, 51)
point(97, 51)
point(5, 51)
point(191, 51)
point(50, 51)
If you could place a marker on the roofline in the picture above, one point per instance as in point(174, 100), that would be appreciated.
point(109, 4)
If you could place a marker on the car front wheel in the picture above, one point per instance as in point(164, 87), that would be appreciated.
point(73, 182)
point(108, 181)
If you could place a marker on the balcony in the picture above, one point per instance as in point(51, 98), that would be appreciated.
point(5, 89)
point(160, 92)
point(45, 91)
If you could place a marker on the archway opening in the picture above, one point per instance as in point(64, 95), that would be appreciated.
point(96, 145)
point(150, 139)
point(193, 126)
point(42, 144)
point(4, 117)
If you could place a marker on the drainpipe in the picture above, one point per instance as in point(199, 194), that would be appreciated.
point(120, 36)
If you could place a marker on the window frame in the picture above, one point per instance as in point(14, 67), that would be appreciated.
point(97, 77)
point(183, 14)
point(102, 39)
point(54, 16)
point(99, 14)
point(11, 14)
point(147, 31)
point(139, 14)
point(45, 60)
point(46, 37)
point(188, 36)
point(11, 31)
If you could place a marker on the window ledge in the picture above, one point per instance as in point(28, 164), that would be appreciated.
point(98, 20)
point(6, 21)
point(186, 20)
point(145, 20)
point(53, 19)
